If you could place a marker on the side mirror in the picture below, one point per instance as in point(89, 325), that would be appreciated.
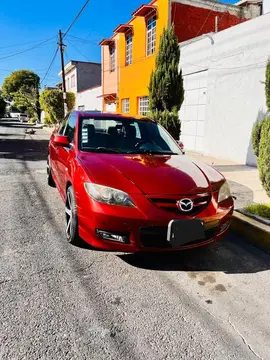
point(61, 140)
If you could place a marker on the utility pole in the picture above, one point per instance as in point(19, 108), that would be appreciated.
point(61, 47)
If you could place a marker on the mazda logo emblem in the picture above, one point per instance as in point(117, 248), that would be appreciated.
point(185, 205)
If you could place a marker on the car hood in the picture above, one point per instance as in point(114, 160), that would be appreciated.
point(150, 174)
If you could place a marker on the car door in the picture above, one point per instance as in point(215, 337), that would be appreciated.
point(54, 151)
point(66, 154)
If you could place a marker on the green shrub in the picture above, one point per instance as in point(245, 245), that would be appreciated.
point(169, 120)
point(33, 119)
point(71, 99)
point(267, 84)
point(53, 104)
point(166, 90)
point(2, 105)
point(47, 121)
point(262, 210)
point(256, 136)
point(264, 155)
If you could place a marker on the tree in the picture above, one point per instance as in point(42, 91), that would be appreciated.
point(22, 88)
point(264, 138)
point(2, 105)
point(53, 104)
point(264, 155)
point(166, 92)
point(256, 137)
point(267, 85)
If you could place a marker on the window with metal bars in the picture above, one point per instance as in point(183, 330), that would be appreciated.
point(143, 105)
point(112, 57)
point(125, 106)
point(72, 81)
point(129, 49)
point(151, 35)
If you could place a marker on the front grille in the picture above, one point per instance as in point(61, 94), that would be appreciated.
point(156, 237)
point(169, 203)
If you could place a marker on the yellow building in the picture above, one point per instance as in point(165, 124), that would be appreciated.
point(128, 59)
point(128, 56)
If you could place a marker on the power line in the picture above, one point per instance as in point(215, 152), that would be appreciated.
point(50, 66)
point(25, 50)
point(76, 38)
point(78, 50)
point(76, 18)
point(29, 42)
point(20, 49)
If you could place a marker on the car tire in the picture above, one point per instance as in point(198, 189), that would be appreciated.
point(49, 173)
point(72, 232)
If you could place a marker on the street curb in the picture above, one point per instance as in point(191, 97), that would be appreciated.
point(254, 231)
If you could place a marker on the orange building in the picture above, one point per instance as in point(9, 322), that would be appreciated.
point(128, 57)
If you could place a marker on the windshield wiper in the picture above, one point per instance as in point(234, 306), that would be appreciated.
point(101, 149)
point(151, 152)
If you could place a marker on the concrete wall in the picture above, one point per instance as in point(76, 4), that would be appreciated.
point(266, 6)
point(89, 75)
point(235, 61)
point(89, 99)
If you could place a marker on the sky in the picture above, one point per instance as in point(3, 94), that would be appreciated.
point(26, 23)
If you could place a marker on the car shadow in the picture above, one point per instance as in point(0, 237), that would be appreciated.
point(233, 255)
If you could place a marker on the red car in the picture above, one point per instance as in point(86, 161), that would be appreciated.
point(128, 187)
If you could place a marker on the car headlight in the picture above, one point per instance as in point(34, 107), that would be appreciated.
point(224, 192)
point(108, 195)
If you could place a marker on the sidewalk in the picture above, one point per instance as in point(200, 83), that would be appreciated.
point(244, 180)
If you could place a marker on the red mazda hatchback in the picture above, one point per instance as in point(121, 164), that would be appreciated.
point(128, 187)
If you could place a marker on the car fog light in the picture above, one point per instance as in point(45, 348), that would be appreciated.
point(106, 235)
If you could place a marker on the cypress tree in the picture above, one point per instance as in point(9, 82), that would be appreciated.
point(267, 85)
point(166, 92)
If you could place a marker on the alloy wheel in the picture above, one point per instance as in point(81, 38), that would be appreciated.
point(69, 215)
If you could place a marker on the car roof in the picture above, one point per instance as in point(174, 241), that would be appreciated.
point(109, 115)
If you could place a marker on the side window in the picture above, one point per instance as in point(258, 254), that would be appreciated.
point(70, 128)
point(138, 132)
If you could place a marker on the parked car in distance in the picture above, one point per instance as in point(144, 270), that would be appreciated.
point(22, 117)
point(127, 186)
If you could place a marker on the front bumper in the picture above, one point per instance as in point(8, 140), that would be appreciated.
point(146, 228)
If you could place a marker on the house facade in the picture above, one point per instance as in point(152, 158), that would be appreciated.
point(82, 78)
point(89, 99)
point(128, 56)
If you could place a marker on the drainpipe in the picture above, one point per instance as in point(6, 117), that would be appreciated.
point(170, 12)
point(216, 24)
point(118, 73)
point(102, 69)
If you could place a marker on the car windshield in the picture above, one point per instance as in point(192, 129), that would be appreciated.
point(125, 136)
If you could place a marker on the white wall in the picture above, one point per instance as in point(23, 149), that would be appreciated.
point(90, 99)
point(235, 59)
point(266, 6)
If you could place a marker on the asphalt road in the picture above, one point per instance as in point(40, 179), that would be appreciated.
point(58, 301)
